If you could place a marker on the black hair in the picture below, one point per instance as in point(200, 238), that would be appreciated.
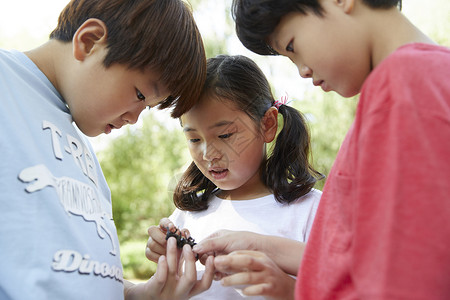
point(160, 35)
point(287, 171)
point(257, 19)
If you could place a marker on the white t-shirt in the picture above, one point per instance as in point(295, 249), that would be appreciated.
point(263, 215)
point(57, 239)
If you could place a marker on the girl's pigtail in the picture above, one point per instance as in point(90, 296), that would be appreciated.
point(288, 171)
point(193, 190)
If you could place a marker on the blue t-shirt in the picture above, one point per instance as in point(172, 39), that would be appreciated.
point(57, 236)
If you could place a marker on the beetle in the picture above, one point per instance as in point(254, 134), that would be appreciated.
point(181, 241)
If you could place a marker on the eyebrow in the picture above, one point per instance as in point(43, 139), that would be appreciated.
point(218, 124)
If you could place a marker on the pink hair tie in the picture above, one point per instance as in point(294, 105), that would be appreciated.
point(283, 100)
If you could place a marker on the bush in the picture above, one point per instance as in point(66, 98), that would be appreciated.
point(135, 264)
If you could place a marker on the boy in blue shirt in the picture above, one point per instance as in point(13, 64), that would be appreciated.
point(104, 63)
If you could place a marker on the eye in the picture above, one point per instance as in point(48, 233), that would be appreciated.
point(290, 46)
point(139, 95)
point(225, 136)
point(193, 141)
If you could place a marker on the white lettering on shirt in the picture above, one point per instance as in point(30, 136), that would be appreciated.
point(75, 197)
point(71, 261)
point(75, 148)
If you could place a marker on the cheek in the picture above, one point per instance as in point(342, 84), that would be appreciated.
point(196, 155)
point(250, 159)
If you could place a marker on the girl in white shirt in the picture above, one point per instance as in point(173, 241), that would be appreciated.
point(235, 181)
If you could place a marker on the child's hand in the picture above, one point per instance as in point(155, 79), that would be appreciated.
point(256, 274)
point(224, 242)
point(156, 244)
point(168, 282)
point(157, 241)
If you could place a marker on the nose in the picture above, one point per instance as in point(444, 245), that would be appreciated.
point(211, 152)
point(132, 116)
point(304, 71)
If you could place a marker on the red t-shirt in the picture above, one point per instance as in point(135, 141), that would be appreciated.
point(382, 230)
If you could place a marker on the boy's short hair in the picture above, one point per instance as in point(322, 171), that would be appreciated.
point(257, 19)
point(156, 34)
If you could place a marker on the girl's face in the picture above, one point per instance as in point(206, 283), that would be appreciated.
point(227, 146)
point(331, 49)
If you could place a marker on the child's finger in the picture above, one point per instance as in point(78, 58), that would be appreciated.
point(257, 289)
point(158, 281)
point(172, 256)
point(165, 223)
point(157, 235)
point(156, 243)
point(154, 250)
point(190, 271)
point(185, 232)
point(203, 258)
point(242, 278)
point(207, 278)
point(239, 261)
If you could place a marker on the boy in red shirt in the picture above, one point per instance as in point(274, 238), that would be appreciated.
point(382, 229)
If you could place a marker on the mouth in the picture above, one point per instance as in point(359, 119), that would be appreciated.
point(318, 82)
point(110, 127)
point(218, 173)
point(322, 84)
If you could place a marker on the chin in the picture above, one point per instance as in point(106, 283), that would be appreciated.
point(225, 187)
point(348, 93)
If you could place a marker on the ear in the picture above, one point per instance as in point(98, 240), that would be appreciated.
point(88, 37)
point(346, 5)
point(270, 124)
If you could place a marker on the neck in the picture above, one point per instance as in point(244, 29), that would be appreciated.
point(49, 58)
point(252, 189)
point(233, 195)
point(390, 29)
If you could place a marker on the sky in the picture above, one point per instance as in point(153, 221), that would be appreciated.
point(25, 24)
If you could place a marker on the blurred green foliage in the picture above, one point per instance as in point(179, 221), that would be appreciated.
point(329, 116)
point(135, 266)
point(139, 166)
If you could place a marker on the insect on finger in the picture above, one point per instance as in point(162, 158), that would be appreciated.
point(181, 240)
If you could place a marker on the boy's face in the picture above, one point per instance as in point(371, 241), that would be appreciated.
point(101, 99)
point(330, 49)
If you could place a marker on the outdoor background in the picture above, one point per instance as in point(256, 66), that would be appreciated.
point(141, 163)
